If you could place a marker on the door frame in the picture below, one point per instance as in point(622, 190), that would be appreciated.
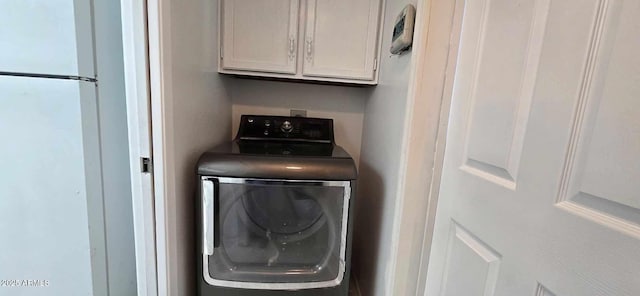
point(146, 200)
point(160, 87)
point(152, 92)
point(436, 43)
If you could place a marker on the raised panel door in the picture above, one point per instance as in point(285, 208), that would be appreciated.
point(539, 193)
point(259, 36)
point(341, 38)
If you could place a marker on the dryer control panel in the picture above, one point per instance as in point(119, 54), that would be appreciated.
point(283, 128)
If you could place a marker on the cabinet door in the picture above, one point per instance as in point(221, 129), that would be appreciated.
point(260, 35)
point(341, 38)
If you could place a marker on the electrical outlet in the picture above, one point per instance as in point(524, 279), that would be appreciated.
point(298, 113)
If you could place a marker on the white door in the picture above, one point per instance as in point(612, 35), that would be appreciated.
point(341, 38)
point(259, 35)
point(540, 193)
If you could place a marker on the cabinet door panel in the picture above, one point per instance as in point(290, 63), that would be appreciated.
point(341, 38)
point(260, 35)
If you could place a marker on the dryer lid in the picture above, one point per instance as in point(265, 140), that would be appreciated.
point(275, 162)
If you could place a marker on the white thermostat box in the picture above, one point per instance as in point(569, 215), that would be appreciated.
point(403, 30)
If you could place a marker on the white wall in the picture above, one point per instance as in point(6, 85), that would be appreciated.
point(344, 104)
point(201, 118)
point(380, 164)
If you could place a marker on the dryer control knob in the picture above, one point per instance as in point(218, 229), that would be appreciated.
point(286, 127)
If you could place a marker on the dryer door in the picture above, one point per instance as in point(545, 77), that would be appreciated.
point(274, 234)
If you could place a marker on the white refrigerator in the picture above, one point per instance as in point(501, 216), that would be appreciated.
point(52, 228)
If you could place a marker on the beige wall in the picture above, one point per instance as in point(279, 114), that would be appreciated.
point(201, 118)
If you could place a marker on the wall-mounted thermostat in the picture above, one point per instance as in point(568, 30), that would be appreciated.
point(403, 30)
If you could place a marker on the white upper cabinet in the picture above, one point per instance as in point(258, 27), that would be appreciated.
point(260, 35)
point(340, 38)
point(328, 40)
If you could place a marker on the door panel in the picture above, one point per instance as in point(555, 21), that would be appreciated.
point(46, 37)
point(500, 100)
point(600, 180)
point(542, 157)
point(260, 35)
point(329, 24)
point(472, 262)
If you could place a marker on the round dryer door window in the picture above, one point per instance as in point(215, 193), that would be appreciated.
point(284, 211)
point(278, 231)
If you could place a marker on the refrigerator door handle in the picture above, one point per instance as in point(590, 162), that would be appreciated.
point(49, 76)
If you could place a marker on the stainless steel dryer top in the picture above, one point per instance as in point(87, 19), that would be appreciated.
point(278, 147)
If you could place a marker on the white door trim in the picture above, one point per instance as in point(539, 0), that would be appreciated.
point(430, 87)
point(133, 14)
point(161, 97)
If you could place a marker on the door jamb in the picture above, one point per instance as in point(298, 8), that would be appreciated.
point(135, 39)
point(430, 91)
point(161, 97)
